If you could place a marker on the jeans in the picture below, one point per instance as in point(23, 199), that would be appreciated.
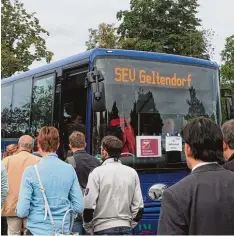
point(77, 227)
point(28, 232)
point(115, 231)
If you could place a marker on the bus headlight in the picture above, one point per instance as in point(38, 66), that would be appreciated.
point(155, 191)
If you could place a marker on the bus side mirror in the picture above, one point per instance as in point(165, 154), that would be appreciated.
point(98, 97)
point(226, 93)
point(94, 81)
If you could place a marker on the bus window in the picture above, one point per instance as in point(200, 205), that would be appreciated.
point(6, 97)
point(21, 102)
point(42, 102)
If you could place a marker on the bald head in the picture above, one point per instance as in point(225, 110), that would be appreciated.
point(26, 143)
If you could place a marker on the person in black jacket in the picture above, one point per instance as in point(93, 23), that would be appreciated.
point(83, 163)
point(36, 151)
point(203, 202)
point(228, 144)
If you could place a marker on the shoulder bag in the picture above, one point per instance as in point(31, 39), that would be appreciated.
point(47, 209)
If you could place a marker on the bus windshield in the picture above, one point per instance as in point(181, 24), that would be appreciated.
point(151, 98)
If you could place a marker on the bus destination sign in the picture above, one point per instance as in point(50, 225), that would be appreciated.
point(131, 75)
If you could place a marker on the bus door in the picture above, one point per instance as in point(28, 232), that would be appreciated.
point(73, 104)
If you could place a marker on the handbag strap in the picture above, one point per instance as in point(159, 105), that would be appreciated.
point(47, 207)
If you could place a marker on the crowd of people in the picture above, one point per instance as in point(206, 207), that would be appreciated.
point(48, 196)
point(43, 195)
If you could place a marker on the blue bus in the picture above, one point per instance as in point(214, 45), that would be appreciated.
point(135, 95)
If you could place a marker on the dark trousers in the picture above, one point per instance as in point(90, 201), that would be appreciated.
point(3, 226)
point(28, 232)
point(115, 231)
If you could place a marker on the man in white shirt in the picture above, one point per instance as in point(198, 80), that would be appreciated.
point(113, 198)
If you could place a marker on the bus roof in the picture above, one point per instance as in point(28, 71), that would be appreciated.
point(91, 54)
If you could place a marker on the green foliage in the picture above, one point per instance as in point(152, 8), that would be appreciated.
point(103, 37)
point(22, 39)
point(168, 26)
point(227, 69)
point(165, 26)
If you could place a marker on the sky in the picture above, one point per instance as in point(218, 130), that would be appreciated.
point(68, 22)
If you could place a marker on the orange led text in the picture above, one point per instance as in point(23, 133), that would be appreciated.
point(129, 75)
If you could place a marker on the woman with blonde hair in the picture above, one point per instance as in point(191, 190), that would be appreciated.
point(49, 191)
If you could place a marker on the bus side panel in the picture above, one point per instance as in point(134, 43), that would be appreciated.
point(147, 226)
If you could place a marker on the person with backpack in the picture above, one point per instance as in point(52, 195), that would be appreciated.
point(83, 164)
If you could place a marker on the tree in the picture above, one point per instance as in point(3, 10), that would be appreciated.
point(169, 26)
point(22, 39)
point(103, 37)
point(227, 69)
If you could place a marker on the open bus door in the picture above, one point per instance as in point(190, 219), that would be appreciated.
point(71, 103)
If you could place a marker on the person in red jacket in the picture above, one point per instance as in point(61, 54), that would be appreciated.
point(125, 130)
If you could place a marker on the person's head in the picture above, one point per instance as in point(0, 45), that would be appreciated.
point(12, 149)
point(111, 146)
point(77, 119)
point(48, 140)
point(228, 139)
point(77, 141)
point(168, 126)
point(26, 143)
point(203, 142)
point(35, 146)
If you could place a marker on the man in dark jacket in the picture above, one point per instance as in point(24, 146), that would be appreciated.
point(201, 203)
point(228, 144)
point(35, 149)
point(83, 164)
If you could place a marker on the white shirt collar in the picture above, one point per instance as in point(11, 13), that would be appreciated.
point(202, 164)
point(110, 160)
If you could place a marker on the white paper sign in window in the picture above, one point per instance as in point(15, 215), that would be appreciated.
point(173, 143)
